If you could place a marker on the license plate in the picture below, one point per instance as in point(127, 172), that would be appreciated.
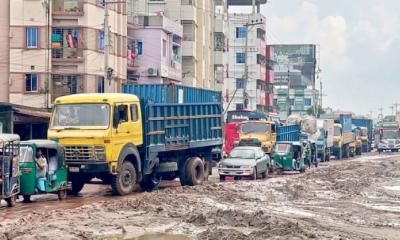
point(74, 169)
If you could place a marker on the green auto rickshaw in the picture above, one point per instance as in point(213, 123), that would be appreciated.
point(36, 179)
point(289, 156)
point(9, 168)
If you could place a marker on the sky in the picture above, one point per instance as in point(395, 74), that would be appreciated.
point(359, 44)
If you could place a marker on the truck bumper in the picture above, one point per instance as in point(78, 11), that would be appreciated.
point(101, 167)
point(236, 172)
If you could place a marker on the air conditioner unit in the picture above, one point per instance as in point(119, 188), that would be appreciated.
point(152, 72)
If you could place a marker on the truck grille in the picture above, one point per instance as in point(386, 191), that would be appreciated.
point(83, 153)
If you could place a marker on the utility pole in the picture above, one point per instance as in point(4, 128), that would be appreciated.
point(248, 25)
point(108, 71)
point(380, 116)
point(396, 105)
point(392, 108)
point(106, 31)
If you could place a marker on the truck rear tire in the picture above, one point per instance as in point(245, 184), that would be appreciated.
point(124, 182)
point(195, 171)
point(150, 182)
point(346, 151)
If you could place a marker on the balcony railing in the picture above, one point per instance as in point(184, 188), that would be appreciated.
point(68, 7)
point(66, 43)
point(63, 85)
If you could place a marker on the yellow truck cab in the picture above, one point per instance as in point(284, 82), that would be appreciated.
point(258, 132)
point(364, 138)
point(123, 140)
point(356, 145)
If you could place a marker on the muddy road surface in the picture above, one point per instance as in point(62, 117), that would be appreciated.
point(349, 199)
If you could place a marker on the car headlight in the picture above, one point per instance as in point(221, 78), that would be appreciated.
point(100, 153)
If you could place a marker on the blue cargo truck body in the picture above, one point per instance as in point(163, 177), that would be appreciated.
point(182, 129)
point(289, 133)
point(366, 123)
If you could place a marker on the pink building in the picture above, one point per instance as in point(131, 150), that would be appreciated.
point(154, 50)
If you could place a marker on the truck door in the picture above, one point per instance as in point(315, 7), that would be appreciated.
point(121, 124)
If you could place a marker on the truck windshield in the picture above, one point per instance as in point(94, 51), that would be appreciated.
point(255, 128)
point(391, 134)
point(81, 116)
point(242, 153)
point(364, 132)
point(283, 148)
point(337, 131)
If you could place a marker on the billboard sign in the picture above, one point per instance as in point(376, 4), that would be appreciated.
point(295, 62)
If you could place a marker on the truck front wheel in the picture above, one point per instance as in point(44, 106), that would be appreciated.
point(195, 171)
point(76, 186)
point(124, 182)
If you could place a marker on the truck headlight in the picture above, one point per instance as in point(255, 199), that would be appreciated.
point(100, 153)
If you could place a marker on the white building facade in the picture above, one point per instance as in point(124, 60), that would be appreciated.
point(237, 85)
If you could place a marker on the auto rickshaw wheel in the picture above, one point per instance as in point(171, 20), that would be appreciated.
point(27, 198)
point(11, 201)
point(303, 169)
point(62, 194)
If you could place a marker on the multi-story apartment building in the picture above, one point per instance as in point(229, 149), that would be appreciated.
point(249, 88)
point(57, 48)
point(154, 50)
point(198, 20)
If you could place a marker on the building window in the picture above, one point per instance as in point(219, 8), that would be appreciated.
point(164, 48)
point(291, 102)
point(31, 83)
point(240, 57)
point(100, 85)
point(139, 47)
point(101, 41)
point(100, 2)
point(239, 83)
point(307, 101)
point(240, 32)
point(32, 37)
point(239, 106)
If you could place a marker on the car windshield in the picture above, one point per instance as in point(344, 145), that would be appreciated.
point(282, 148)
point(243, 153)
point(393, 134)
point(255, 128)
point(26, 154)
point(81, 116)
point(337, 131)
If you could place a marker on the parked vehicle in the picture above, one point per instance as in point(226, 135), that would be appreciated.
point(324, 141)
point(55, 180)
point(139, 137)
point(289, 156)
point(367, 132)
point(389, 137)
point(9, 172)
point(343, 134)
point(245, 161)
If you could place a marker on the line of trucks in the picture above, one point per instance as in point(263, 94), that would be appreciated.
point(340, 135)
point(165, 131)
